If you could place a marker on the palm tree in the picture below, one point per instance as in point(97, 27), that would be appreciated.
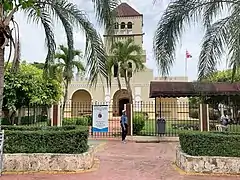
point(127, 56)
point(222, 33)
point(65, 67)
point(45, 12)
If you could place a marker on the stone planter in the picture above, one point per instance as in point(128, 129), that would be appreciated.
point(48, 162)
point(207, 164)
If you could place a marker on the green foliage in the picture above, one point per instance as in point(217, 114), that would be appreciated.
point(127, 56)
point(37, 128)
point(29, 86)
point(82, 121)
point(213, 114)
point(45, 141)
point(220, 38)
point(138, 122)
point(223, 76)
point(25, 120)
point(210, 143)
point(10, 4)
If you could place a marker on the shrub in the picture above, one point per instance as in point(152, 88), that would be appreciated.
point(83, 121)
point(69, 121)
point(70, 141)
point(89, 118)
point(213, 115)
point(37, 128)
point(138, 122)
point(26, 120)
point(193, 113)
point(210, 143)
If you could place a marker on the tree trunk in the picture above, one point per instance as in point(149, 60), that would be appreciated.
point(1, 82)
point(129, 89)
point(119, 82)
point(64, 99)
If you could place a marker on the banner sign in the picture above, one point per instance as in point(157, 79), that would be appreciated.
point(100, 118)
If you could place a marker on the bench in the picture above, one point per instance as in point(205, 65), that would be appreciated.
point(220, 127)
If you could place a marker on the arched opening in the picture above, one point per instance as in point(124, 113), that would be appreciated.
point(123, 25)
point(120, 98)
point(81, 103)
point(129, 25)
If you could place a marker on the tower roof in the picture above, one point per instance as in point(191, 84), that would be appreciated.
point(124, 10)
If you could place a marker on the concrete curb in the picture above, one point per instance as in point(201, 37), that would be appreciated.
point(142, 139)
point(95, 166)
point(181, 172)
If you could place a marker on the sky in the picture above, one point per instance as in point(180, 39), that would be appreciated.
point(33, 40)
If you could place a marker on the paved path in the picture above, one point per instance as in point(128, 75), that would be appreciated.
point(129, 162)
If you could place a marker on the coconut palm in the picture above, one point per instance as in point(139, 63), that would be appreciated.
point(127, 56)
point(64, 68)
point(222, 33)
point(46, 12)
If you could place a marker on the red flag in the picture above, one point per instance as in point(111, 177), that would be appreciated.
point(188, 55)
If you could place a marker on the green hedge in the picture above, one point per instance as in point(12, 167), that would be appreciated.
point(210, 143)
point(138, 122)
point(37, 128)
point(82, 120)
point(26, 120)
point(70, 141)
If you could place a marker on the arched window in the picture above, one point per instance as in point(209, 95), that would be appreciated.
point(129, 25)
point(123, 25)
point(116, 25)
point(115, 70)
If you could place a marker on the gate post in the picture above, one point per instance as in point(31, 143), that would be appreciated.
point(128, 108)
point(55, 120)
point(204, 117)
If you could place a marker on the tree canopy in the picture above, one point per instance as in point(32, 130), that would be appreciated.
point(28, 86)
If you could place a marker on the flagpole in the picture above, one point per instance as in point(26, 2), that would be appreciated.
point(186, 66)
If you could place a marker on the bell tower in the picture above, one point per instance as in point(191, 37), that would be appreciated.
point(129, 24)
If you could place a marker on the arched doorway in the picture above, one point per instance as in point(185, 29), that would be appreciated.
point(81, 103)
point(120, 98)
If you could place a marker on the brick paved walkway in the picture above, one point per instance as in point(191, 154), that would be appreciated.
point(129, 162)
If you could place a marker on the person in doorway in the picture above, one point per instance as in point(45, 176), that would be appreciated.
point(124, 126)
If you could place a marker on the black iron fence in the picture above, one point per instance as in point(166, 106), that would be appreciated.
point(176, 113)
point(224, 117)
point(80, 114)
point(165, 117)
point(180, 114)
point(32, 115)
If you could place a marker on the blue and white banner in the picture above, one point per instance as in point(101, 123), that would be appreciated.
point(100, 118)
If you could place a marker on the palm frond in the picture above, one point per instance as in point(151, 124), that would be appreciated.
point(170, 28)
point(105, 13)
point(94, 52)
point(61, 56)
point(79, 65)
point(234, 41)
point(211, 10)
point(68, 29)
point(39, 14)
point(213, 47)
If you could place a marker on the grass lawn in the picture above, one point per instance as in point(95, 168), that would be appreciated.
point(173, 127)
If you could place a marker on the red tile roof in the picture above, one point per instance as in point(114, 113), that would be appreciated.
point(124, 10)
